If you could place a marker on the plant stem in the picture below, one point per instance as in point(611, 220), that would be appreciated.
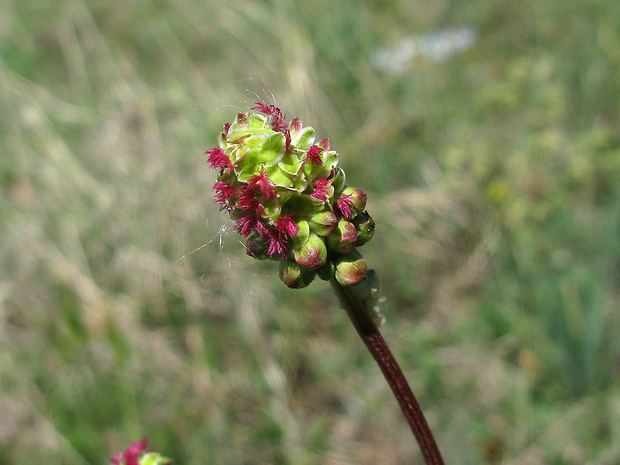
point(368, 331)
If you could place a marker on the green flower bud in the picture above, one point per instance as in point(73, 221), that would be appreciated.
point(313, 254)
point(327, 271)
point(294, 275)
point(350, 268)
point(342, 239)
point(323, 223)
point(365, 227)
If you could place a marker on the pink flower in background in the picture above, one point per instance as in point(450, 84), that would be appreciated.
point(136, 454)
point(131, 454)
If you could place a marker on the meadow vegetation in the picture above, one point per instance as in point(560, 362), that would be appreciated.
point(128, 307)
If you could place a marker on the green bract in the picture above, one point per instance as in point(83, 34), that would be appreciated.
point(288, 197)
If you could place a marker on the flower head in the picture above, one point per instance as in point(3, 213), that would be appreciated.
point(288, 196)
point(130, 456)
point(136, 454)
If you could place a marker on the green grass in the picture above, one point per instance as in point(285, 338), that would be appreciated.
point(494, 179)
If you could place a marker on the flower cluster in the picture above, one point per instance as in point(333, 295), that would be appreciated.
point(288, 197)
point(136, 454)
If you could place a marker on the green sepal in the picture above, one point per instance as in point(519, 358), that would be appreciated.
point(274, 143)
point(306, 138)
point(247, 165)
point(338, 181)
point(242, 136)
point(359, 198)
point(272, 210)
point(222, 141)
point(303, 233)
point(259, 122)
point(295, 127)
point(279, 177)
point(302, 205)
point(269, 157)
point(290, 164)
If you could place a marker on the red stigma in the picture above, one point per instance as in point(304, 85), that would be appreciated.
point(314, 155)
point(218, 159)
point(264, 184)
point(286, 225)
point(343, 206)
point(276, 118)
point(321, 189)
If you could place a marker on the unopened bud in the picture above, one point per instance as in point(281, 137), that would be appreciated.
point(365, 226)
point(294, 275)
point(323, 223)
point(256, 248)
point(342, 239)
point(350, 268)
point(313, 254)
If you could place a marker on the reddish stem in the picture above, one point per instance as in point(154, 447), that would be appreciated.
point(368, 331)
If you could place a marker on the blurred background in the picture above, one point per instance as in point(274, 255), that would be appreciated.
point(487, 136)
